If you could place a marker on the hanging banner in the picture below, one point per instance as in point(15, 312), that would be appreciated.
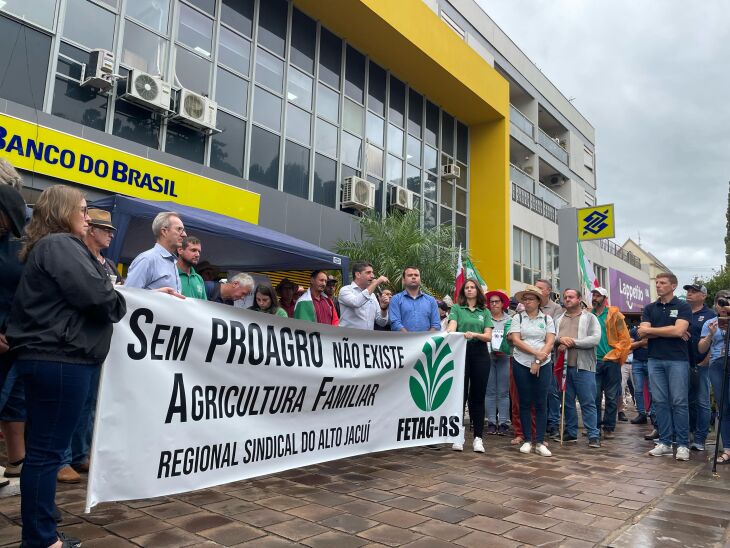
point(196, 394)
point(628, 293)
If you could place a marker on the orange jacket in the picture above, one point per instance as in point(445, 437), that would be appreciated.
point(618, 336)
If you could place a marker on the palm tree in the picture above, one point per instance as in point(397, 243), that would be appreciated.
point(397, 241)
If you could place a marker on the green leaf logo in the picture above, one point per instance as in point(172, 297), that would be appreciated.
point(433, 376)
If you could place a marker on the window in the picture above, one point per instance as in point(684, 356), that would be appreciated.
point(552, 265)
point(526, 256)
point(231, 92)
point(462, 142)
point(601, 273)
point(375, 128)
point(588, 158)
point(447, 133)
point(269, 70)
point(264, 155)
point(376, 89)
point(325, 180)
point(328, 103)
point(395, 140)
point(298, 124)
point(24, 57)
point(272, 25)
point(355, 75)
point(207, 6)
point(415, 113)
point(89, 25)
point(296, 170)
point(238, 14)
point(330, 58)
point(453, 26)
point(135, 123)
point(397, 108)
point(234, 51)
point(303, 40)
point(351, 152)
point(195, 30)
point(394, 171)
point(267, 109)
point(144, 50)
point(71, 101)
point(185, 142)
point(432, 124)
point(226, 148)
point(352, 117)
point(193, 71)
point(41, 12)
point(153, 14)
point(413, 179)
point(326, 140)
point(299, 90)
point(413, 150)
point(374, 157)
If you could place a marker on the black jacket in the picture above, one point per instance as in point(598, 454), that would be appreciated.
point(65, 304)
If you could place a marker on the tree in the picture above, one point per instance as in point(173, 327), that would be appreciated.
point(727, 231)
point(720, 280)
point(397, 241)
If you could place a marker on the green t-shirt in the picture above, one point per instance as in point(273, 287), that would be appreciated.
point(476, 320)
point(192, 284)
point(603, 346)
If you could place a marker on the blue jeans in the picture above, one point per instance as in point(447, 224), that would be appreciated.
point(699, 402)
point(640, 371)
point(669, 385)
point(12, 394)
point(554, 397)
point(533, 391)
point(583, 385)
point(715, 371)
point(497, 400)
point(80, 446)
point(55, 393)
point(608, 382)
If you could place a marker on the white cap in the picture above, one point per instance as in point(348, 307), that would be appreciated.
point(600, 290)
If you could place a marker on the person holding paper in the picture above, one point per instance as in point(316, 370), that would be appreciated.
point(497, 400)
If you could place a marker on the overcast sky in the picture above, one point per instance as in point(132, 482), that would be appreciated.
point(653, 78)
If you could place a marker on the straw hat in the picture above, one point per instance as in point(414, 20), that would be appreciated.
point(529, 290)
point(100, 217)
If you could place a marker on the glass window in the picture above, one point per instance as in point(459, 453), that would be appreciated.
point(299, 90)
point(376, 89)
point(264, 163)
point(397, 107)
point(415, 113)
point(326, 138)
point(269, 70)
point(447, 190)
point(447, 134)
point(330, 58)
point(413, 150)
point(460, 200)
point(144, 50)
point(24, 58)
point(378, 193)
point(375, 128)
point(153, 14)
point(137, 124)
point(193, 71)
point(431, 134)
point(374, 157)
point(231, 92)
point(89, 25)
point(325, 180)
point(238, 14)
point(82, 105)
point(429, 186)
point(346, 172)
point(445, 216)
point(298, 125)
point(71, 68)
point(226, 147)
point(352, 117)
point(296, 170)
point(351, 152)
point(395, 140)
point(462, 142)
point(40, 12)
point(207, 6)
point(272, 25)
point(328, 103)
point(303, 41)
point(267, 109)
point(234, 51)
point(461, 180)
point(195, 30)
point(460, 229)
point(185, 142)
point(429, 214)
point(430, 159)
point(413, 179)
point(355, 75)
point(394, 171)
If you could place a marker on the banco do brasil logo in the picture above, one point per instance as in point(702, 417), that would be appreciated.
point(431, 381)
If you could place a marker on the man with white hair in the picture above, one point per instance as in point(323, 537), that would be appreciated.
point(157, 267)
point(237, 288)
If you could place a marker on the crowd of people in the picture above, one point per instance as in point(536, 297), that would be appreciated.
point(528, 358)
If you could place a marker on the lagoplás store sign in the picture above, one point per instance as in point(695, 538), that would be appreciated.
point(213, 394)
point(56, 154)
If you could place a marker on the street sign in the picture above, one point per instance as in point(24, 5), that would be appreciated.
point(596, 223)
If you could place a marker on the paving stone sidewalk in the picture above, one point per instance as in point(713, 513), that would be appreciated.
point(428, 498)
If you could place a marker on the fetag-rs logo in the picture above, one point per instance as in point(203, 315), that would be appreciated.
point(433, 375)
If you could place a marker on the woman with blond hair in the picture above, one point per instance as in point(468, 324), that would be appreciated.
point(59, 332)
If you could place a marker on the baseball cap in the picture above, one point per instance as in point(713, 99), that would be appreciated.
point(697, 287)
point(600, 290)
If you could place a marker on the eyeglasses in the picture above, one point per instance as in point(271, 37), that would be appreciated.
point(496, 301)
point(84, 210)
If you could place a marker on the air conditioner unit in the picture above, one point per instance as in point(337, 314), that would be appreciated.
point(196, 110)
point(147, 90)
point(450, 171)
point(100, 70)
point(401, 198)
point(558, 180)
point(358, 193)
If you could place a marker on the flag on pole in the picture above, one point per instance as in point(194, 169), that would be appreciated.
point(560, 369)
point(590, 282)
point(460, 277)
point(465, 270)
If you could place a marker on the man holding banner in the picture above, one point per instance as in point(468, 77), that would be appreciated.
point(578, 336)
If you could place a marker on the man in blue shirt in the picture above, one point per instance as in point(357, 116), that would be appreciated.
point(665, 323)
point(411, 309)
point(699, 372)
point(157, 267)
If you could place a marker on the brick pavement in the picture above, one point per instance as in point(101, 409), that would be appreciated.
point(428, 498)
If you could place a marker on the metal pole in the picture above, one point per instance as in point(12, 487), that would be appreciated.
point(722, 397)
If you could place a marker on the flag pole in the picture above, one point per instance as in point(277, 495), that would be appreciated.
point(564, 389)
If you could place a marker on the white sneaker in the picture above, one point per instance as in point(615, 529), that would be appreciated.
point(543, 451)
point(457, 447)
point(478, 445)
point(682, 453)
point(526, 447)
point(661, 450)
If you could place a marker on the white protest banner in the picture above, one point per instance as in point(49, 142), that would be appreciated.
point(196, 394)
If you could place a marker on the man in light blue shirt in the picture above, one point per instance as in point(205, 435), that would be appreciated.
point(411, 309)
point(359, 307)
point(157, 267)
